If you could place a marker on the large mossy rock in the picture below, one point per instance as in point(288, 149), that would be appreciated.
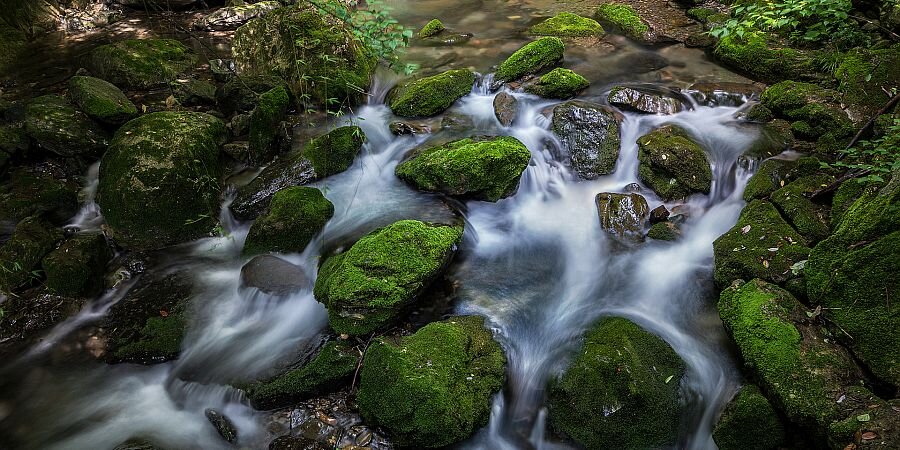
point(429, 96)
point(863, 73)
point(231, 17)
point(566, 24)
point(241, 94)
point(771, 176)
point(295, 215)
point(481, 168)
point(77, 267)
point(56, 126)
point(809, 219)
point(621, 391)
point(101, 100)
point(292, 43)
point(673, 164)
point(433, 388)
point(624, 18)
point(803, 373)
point(749, 423)
point(21, 255)
point(589, 132)
point(532, 58)
point(140, 63)
point(33, 192)
point(813, 110)
point(761, 245)
point(264, 120)
point(334, 152)
point(371, 284)
point(159, 180)
point(766, 61)
point(558, 83)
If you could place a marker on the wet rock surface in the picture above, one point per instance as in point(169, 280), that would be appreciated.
point(273, 275)
point(632, 99)
point(623, 215)
point(590, 134)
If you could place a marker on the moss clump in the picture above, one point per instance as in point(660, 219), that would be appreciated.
point(701, 14)
point(761, 245)
point(754, 55)
point(558, 83)
point(296, 214)
point(433, 388)
point(533, 57)
point(333, 366)
point(430, 96)
point(846, 194)
point(590, 134)
point(159, 180)
point(431, 28)
point(760, 114)
point(58, 127)
point(369, 285)
point(808, 218)
point(264, 120)
point(335, 151)
point(749, 423)
point(101, 100)
point(482, 168)
point(771, 176)
point(29, 193)
point(672, 164)
point(140, 63)
point(863, 74)
point(77, 267)
point(159, 339)
point(663, 231)
point(242, 94)
point(621, 391)
point(624, 18)
point(20, 256)
point(566, 24)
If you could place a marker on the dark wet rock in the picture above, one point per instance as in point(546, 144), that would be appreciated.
point(447, 38)
point(809, 219)
point(30, 315)
point(406, 128)
point(222, 69)
point(664, 231)
point(239, 150)
point(194, 92)
point(223, 425)
point(724, 92)
point(140, 63)
point(171, 153)
point(241, 94)
point(558, 83)
point(13, 142)
point(749, 423)
point(457, 122)
point(483, 168)
point(56, 126)
point(643, 61)
point(298, 443)
point(20, 256)
point(673, 164)
point(443, 404)
point(589, 132)
point(621, 391)
point(264, 120)
point(633, 187)
point(331, 420)
point(429, 96)
point(137, 444)
point(532, 58)
point(284, 172)
point(77, 267)
point(240, 124)
point(622, 215)
point(371, 284)
point(659, 214)
point(633, 99)
point(505, 108)
point(274, 276)
point(295, 215)
point(566, 24)
point(101, 100)
point(231, 17)
point(33, 192)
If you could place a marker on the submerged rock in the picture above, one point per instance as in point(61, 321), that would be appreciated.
point(433, 388)
point(77, 267)
point(558, 83)
point(371, 284)
point(590, 134)
point(505, 108)
point(21, 255)
point(749, 423)
point(673, 164)
point(429, 96)
point(56, 126)
point(567, 24)
point(643, 102)
point(264, 120)
point(101, 100)
point(532, 58)
point(623, 215)
point(231, 17)
point(482, 168)
point(295, 215)
point(140, 63)
point(31, 192)
point(274, 276)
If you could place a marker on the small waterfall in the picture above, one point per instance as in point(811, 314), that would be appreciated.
point(89, 218)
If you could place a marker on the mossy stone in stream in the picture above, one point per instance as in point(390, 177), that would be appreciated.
point(101, 100)
point(56, 126)
point(429, 96)
point(664, 231)
point(845, 195)
point(566, 24)
point(771, 176)
point(334, 151)
point(433, 388)
point(864, 72)
point(754, 55)
point(332, 367)
point(558, 83)
point(749, 423)
point(815, 111)
point(621, 390)
point(624, 18)
point(20, 256)
point(590, 134)
point(241, 94)
point(77, 267)
point(673, 164)
point(159, 180)
point(371, 284)
point(264, 120)
point(482, 168)
point(533, 57)
point(140, 63)
point(296, 214)
point(809, 219)
point(431, 28)
point(32, 192)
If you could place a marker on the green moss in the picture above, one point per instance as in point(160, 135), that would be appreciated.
point(533, 57)
point(430, 96)
point(433, 388)
point(749, 423)
point(754, 55)
point(567, 24)
point(863, 74)
point(29, 193)
point(264, 120)
point(431, 28)
point(58, 127)
point(663, 231)
point(760, 114)
point(77, 267)
point(846, 194)
point(558, 83)
point(20, 256)
point(761, 245)
point(369, 285)
point(701, 14)
point(101, 100)
point(771, 176)
point(673, 164)
point(774, 138)
point(624, 18)
point(866, 414)
point(808, 218)
point(335, 151)
point(296, 215)
point(242, 94)
point(12, 43)
point(159, 339)
point(140, 63)
point(333, 366)
point(621, 390)
point(482, 168)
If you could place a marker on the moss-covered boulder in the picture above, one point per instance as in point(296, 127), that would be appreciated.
point(331, 368)
point(863, 73)
point(814, 111)
point(566, 24)
point(140, 63)
point(305, 46)
point(673, 164)
point(532, 58)
point(481, 168)
point(295, 215)
point(761, 245)
point(589, 132)
point(432, 28)
point(77, 267)
point(159, 180)
point(241, 94)
point(264, 120)
point(56, 126)
point(31, 192)
point(762, 59)
point(844, 197)
point(749, 423)
point(101, 100)
point(870, 421)
point(625, 19)
point(621, 391)
point(558, 83)
point(664, 231)
point(433, 388)
point(623, 214)
point(772, 175)
point(193, 92)
point(429, 96)
point(810, 219)
point(371, 284)
point(334, 151)
point(21, 255)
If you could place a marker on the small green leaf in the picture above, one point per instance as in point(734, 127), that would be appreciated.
point(863, 418)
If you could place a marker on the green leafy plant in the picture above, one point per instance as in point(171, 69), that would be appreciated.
point(800, 20)
point(876, 159)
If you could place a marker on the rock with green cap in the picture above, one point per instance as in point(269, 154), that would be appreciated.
point(56, 126)
point(673, 164)
point(429, 96)
point(558, 83)
point(566, 24)
point(140, 63)
point(101, 100)
point(532, 58)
